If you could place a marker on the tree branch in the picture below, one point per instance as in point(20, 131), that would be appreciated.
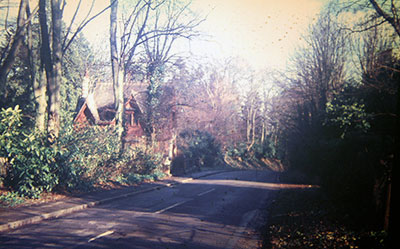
point(392, 20)
point(83, 25)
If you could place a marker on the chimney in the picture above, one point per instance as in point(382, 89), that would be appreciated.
point(85, 85)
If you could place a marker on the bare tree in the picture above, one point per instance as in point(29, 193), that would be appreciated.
point(151, 26)
point(318, 71)
point(16, 41)
point(319, 68)
point(208, 99)
point(389, 12)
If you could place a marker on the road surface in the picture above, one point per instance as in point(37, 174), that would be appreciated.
point(211, 212)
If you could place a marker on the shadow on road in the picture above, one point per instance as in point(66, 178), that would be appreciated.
point(200, 213)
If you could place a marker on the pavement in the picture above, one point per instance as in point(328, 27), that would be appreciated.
point(14, 218)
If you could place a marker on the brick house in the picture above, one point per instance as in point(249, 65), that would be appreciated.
point(96, 107)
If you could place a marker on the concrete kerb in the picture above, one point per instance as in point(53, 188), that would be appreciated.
point(56, 214)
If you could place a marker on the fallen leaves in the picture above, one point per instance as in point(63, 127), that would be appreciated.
point(303, 219)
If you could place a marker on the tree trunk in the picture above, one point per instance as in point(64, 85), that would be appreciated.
point(114, 49)
point(16, 44)
point(119, 100)
point(263, 132)
point(40, 88)
point(117, 74)
point(54, 82)
point(38, 84)
point(253, 129)
point(253, 135)
point(248, 124)
point(46, 69)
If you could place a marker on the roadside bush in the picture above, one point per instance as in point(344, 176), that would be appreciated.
point(257, 154)
point(202, 149)
point(10, 199)
point(138, 160)
point(31, 167)
point(92, 157)
point(82, 158)
point(90, 154)
point(238, 150)
point(199, 149)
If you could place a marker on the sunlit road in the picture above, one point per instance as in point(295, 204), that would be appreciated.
point(211, 212)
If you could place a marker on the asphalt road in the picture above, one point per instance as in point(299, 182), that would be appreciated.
point(217, 211)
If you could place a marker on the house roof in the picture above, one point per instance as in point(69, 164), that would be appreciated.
point(104, 93)
point(100, 101)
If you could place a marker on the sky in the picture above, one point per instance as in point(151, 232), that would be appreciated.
point(262, 32)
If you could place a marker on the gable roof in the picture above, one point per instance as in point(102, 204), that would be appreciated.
point(99, 104)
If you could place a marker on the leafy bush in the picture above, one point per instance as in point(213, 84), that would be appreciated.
point(10, 199)
point(81, 158)
point(31, 165)
point(253, 155)
point(92, 157)
point(89, 155)
point(140, 161)
point(137, 178)
point(238, 150)
point(200, 149)
point(347, 114)
point(347, 167)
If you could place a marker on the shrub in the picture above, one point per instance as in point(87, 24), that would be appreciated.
point(81, 158)
point(10, 199)
point(90, 153)
point(31, 165)
point(254, 155)
point(92, 156)
point(200, 149)
point(139, 160)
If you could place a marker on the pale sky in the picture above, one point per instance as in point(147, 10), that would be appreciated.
point(263, 32)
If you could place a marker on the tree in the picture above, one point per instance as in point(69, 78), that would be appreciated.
point(54, 79)
point(208, 98)
point(385, 12)
point(251, 110)
point(34, 54)
point(389, 12)
point(159, 55)
point(392, 17)
point(256, 108)
point(318, 72)
point(15, 42)
point(142, 24)
point(51, 60)
point(117, 70)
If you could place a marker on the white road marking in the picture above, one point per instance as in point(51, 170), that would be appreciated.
point(206, 192)
point(167, 208)
point(101, 235)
